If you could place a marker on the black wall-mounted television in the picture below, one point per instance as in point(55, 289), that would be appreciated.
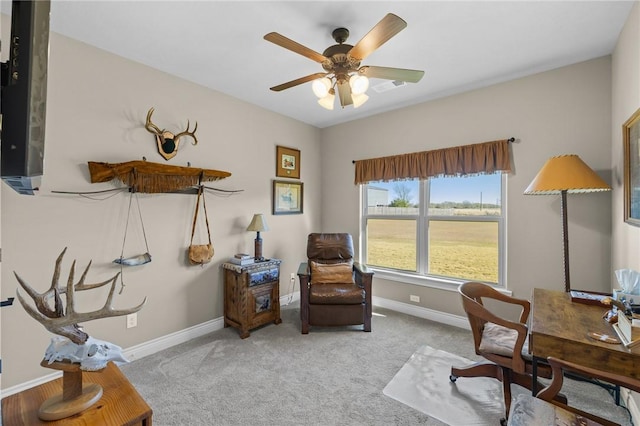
point(24, 96)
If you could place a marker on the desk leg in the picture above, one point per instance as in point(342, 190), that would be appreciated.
point(609, 387)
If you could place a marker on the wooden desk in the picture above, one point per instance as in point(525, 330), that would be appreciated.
point(559, 328)
point(120, 405)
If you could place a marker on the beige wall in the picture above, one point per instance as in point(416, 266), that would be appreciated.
point(625, 101)
point(97, 104)
point(564, 111)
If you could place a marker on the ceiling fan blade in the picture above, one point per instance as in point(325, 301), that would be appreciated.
point(344, 92)
point(410, 76)
point(298, 81)
point(389, 26)
point(295, 47)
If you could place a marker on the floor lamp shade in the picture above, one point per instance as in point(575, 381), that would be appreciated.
point(566, 173)
point(561, 175)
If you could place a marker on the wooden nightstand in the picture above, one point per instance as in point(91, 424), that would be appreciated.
point(251, 295)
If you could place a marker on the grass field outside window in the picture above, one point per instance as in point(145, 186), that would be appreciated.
point(454, 239)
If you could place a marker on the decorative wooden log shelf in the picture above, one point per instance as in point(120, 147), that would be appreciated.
point(148, 177)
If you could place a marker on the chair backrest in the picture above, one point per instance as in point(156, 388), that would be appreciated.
point(473, 294)
point(330, 248)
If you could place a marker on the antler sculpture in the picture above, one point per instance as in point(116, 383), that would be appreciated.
point(65, 322)
point(167, 141)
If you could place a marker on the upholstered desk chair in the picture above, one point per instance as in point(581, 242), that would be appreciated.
point(334, 289)
point(500, 341)
point(546, 409)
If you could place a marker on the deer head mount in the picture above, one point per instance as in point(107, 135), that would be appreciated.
point(51, 313)
point(168, 142)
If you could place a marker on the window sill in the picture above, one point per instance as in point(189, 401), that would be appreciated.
point(447, 284)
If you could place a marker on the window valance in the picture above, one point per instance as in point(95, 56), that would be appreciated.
point(486, 157)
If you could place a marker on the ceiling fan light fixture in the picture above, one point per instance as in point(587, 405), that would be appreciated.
point(321, 87)
point(359, 99)
point(359, 84)
point(328, 101)
point(341, 63)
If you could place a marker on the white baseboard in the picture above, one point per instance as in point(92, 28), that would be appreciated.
point(420, 312)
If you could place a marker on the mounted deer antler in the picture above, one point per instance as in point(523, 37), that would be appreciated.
point(167, 141)
point(55, 319)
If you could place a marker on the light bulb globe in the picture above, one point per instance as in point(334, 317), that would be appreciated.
point(358, 100)
point(321, 87)
point(359, 84)
point(327, 101)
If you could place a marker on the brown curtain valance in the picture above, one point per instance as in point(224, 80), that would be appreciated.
point(487, 157)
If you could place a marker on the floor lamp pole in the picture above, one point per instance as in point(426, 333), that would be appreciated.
point(565, 241)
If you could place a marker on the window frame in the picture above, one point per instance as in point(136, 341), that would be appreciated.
point(421, 277)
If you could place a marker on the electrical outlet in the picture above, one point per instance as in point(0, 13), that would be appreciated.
point(414, 298)
point(293, 276)
point(132, 320)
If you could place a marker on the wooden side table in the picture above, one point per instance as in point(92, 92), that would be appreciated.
point(120, 405)
point(251, 295)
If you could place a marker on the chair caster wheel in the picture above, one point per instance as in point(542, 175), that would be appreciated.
point(453, 378)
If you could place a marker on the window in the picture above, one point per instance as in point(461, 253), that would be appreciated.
point(444, 229)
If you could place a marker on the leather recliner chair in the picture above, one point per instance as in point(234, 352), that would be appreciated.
point(334, 289)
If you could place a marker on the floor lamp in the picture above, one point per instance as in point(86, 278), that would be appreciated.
point(561, 175)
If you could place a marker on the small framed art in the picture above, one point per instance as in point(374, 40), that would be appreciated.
point(287, 162)
point(631, 138)
point(287, 197)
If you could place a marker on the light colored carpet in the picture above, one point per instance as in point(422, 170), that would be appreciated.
point(423, 383)
point(277, 376)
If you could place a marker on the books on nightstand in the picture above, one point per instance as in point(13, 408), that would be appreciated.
point(242, 259)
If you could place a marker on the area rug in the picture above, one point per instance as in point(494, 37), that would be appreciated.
point(423, 384)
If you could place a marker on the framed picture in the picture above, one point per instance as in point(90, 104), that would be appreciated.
point(287, 197)
point(287, 162)
point(631, 137)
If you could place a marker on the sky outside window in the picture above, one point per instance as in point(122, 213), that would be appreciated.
point(474, 189)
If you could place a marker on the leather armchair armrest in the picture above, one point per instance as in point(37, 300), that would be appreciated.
point(303, 269)
point(364, 278)
point(304, 275)
point(362, 268)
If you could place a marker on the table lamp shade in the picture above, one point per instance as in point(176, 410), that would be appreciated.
point(566, 173)
point(258, 223)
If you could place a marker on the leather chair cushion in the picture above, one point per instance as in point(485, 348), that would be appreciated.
point(330, 247)
point(331, 273)
point(335, 294)
point(500, 340)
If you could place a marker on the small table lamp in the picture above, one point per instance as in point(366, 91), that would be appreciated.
point(258, 224)
point(560, 175)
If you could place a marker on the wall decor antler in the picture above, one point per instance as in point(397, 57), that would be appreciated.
point(168, 142)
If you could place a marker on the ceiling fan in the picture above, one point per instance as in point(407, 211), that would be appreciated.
point(341, 63)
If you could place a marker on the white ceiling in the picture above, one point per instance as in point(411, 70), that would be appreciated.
point(461, 45)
